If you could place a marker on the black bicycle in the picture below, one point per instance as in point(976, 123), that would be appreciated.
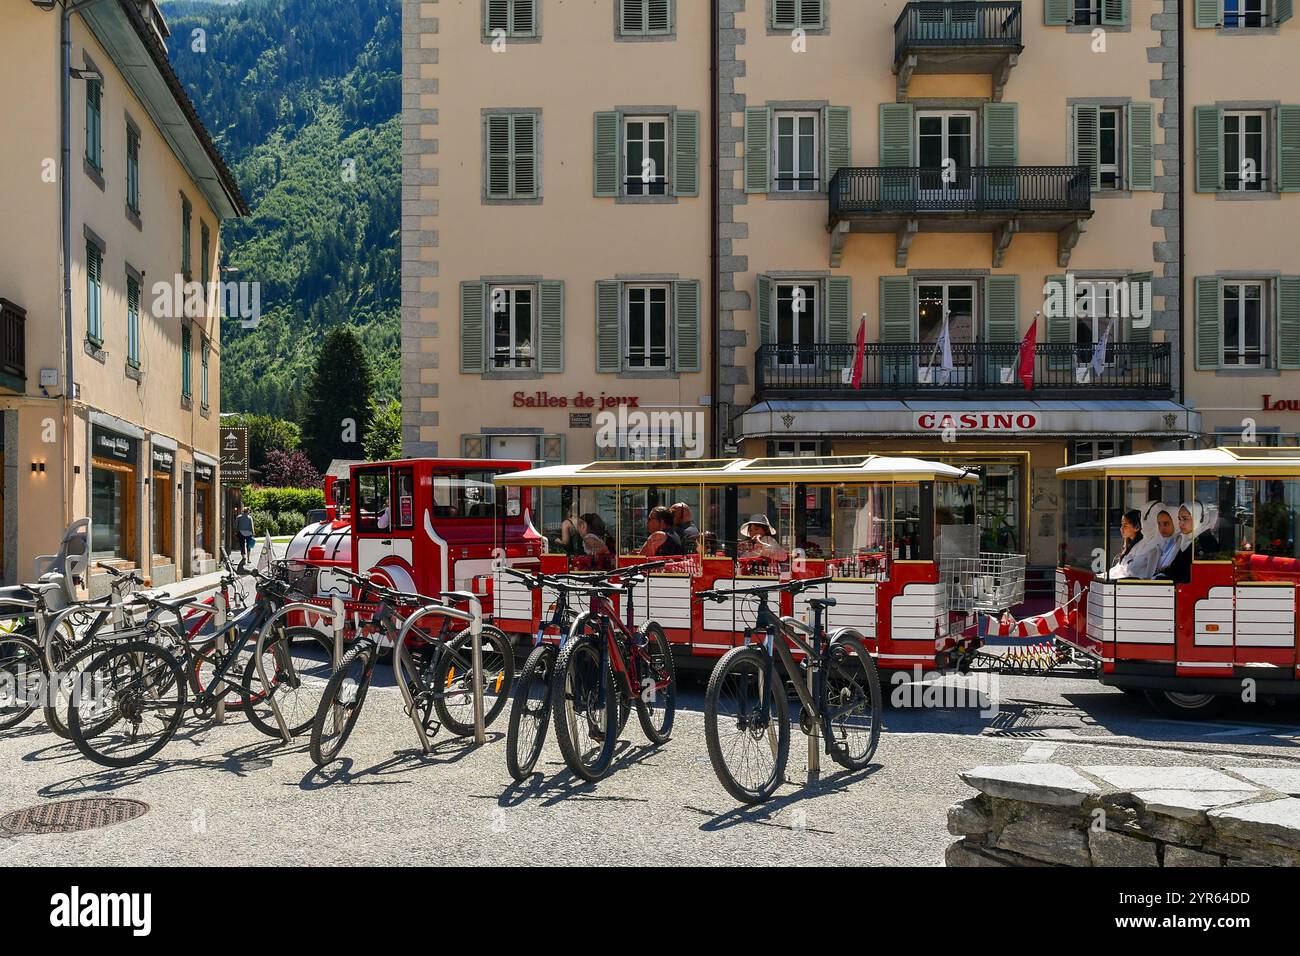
point(747, 713)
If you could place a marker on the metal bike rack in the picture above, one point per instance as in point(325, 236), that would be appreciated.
point(474, 618)
point(306, 607)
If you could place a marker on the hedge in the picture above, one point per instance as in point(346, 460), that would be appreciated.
point(281, 500)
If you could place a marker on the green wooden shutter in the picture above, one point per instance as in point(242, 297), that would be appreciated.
point(1139, 284)
point(1209, 305)
point(897, 327)
point(609, 344)
point(1060, 322)
point(896, 128)
point(1087, 146)
point(473, 306)
point(686, 153)
point(1114, 13)
point(766, 302)
point(523, 18)
point(631, 17)
point(758, 149)
point(605, 173)
point(187, 387)
point(498, 16)
point(1288, 322)
point(1207, 13)
point(1001, 134)
point(1209, 158)
point(1056, 13)
point(811, 14)
point(1002, 309)
point(523, 162)
point(837, 122)
point(1282, 10)
point(785, 14)
point(1141, 146)
point(551, 327)
point(686, 325)
point(1288, 149)
point(659, 16)
point(498, 160)
point(839, 308)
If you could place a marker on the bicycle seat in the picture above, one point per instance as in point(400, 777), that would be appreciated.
point(457, 597)
point(822, 603)
point(17, 594)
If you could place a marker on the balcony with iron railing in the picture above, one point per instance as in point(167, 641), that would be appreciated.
point(1003, 200)
point(13, 347)
point(959, 36)
point(1061, 371)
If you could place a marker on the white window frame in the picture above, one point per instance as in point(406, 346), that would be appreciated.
point(515, 361)
point(800, 180)
point(1260, 8)
point(645, 358)
point(1118, 166)
point(947, 189)
point(1262, 183)
point(1107, 313)
point(1264, 322)
point(1091, 18)
point(948, 285)
point(791, 349)
point(629, 174)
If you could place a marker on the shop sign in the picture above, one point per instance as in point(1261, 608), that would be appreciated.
point(203, 472)
point(164, 460)
point(978, 422)
point(234, 454)
point(1272, 404)
point(602, 401)
point(113, 446)
point(579, 419)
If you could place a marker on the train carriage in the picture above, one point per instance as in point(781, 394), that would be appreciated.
point(1222, 624)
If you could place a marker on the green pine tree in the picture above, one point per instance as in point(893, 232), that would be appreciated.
point(338, 399)
point(384, 432)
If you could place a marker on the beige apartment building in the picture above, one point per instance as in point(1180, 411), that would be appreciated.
point(132, 443)
point(940, 177)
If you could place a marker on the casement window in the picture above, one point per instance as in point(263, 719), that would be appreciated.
point(132, 321)
point(1247, 323)
point(1083, 308)
point(989, 310)
point(94, 293)
point(795, 150)
point(945, 148)
point(133, 169)
point(1117, 144)
point(798, 14)
point(514, 19)
point(94, 123)
point(511, 144)
point(205, 349)
point(187, 214)
point(956, 300)
point(511, 327)
point(648, 326)
point(796, 315)
point(794, 449)
point(1240, 14)
point(652, 155)
point(1086, 12)
point(645, 155)
point(1247, 150)
point(187, 371)
point(645, 18)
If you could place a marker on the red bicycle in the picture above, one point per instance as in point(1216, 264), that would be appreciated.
point(606, 666)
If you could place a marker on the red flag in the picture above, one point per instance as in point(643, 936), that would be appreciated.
point(1027, 355)
point(860, 355)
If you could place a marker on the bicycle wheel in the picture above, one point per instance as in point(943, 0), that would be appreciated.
point(127, 704)
point(851, 709)
point(206, 661)
point(656, 672)
point(748, 742)
point(298, 663)
point(63, 648)
point(585, 702)
point(22, 679)
point(340, 706)
point(454, 683)
point(530, 712)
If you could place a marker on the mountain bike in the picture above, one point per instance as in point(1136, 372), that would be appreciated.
point(747, 714)
point(434, 668)
point(603, 661)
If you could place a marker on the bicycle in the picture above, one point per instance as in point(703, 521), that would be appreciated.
point(743, 694)
point(433, 669)
point(604, 660)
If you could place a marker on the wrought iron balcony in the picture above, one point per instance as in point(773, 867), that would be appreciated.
point(13, 347)
point(987, 369)
point(1003, 200)
point(961, 36)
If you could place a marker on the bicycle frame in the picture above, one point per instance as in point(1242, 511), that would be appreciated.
point(265, 630)
point(474, 618)
point(793, 631)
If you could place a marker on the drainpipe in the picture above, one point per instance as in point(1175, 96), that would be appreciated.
point(1182, 217)
point(714, 211)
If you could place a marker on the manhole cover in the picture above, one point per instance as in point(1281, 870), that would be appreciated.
point(68, 816)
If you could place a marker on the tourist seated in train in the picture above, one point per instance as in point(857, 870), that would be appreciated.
point(1137, 558)
point(684, 522)
point(758, 541)
point(588, 542)
point(1193, 535)
point(663, 540)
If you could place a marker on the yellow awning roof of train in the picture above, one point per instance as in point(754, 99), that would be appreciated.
point(856, 469)
point(1247, 462)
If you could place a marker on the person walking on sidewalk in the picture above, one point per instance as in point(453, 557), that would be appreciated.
point(244, 528)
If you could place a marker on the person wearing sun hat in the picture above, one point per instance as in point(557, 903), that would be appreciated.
point(758, 541)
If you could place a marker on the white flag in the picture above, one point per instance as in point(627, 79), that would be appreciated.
point(1099, 353)
point(945, 348)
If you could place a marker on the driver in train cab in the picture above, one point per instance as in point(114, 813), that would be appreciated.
point(664, 539)
point(758, 541)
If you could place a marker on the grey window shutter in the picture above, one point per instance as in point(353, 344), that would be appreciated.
point(1141, 146)
point(811, 14)
point(606, 159)
point(1209, 306)
point(498, 16)
point(1114, 13)
point(1288, 322)
point(1060, 321)
point(785, 14)
point(1288, 149)
point(498, 165)
point(758, 149)
point(839, 308)
point(1139, 335)
point(1002, 309)
point(897, 317)
point(524, 152)
point(766, 302)
point(659, 16)
point(473, 305)
point(551, 329)
point(524, 22)
point(632, 16)
point(1207, 14)
point(1282, 10)
point(609, 344)
point(1056, 13)
point(686, 325)
point(837, 121)
point(1087, 147)
point(1001, 134)
point(896, 126)
point(1208, 131)
point(686, 153)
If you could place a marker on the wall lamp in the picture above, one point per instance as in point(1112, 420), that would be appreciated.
point(38, 467)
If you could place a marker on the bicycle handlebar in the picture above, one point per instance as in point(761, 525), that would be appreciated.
point(792, 587)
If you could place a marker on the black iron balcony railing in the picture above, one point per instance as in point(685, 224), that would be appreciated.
point(13, 346)
point(956, 24)
point(910, 190)
point(913, 369)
